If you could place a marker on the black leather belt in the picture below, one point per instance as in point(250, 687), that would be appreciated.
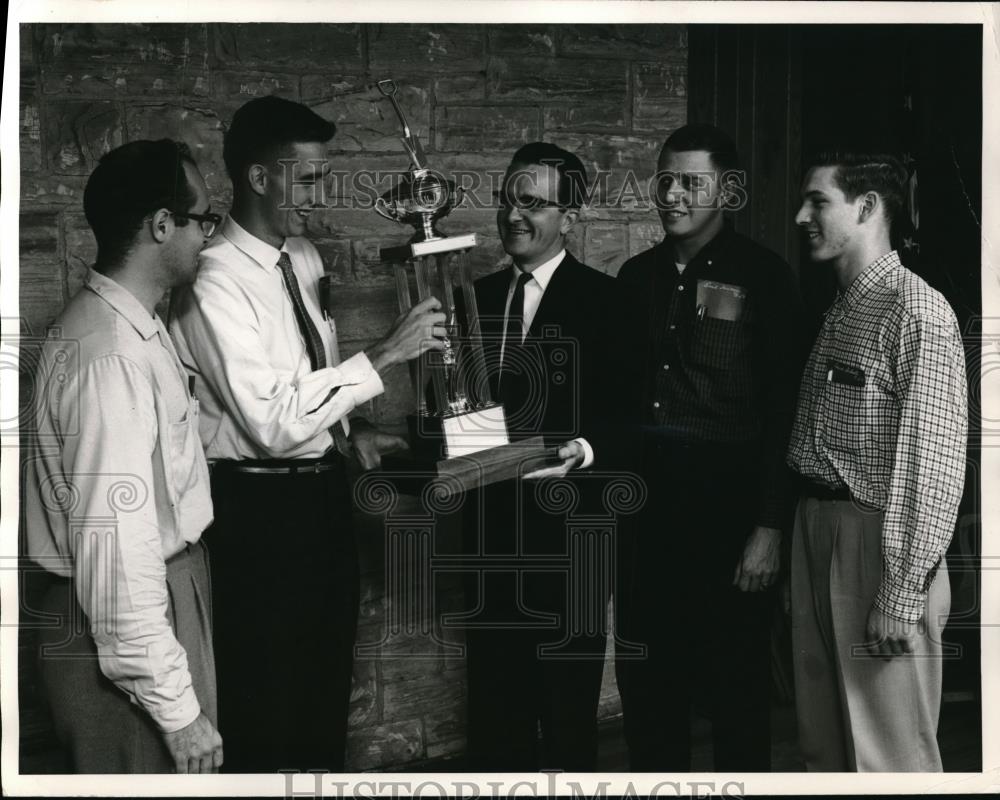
point(330, 462)
point(821, 491)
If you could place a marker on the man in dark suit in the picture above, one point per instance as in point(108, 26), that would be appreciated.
point(549, 325)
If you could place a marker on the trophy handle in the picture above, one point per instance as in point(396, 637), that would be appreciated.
point(382, 209)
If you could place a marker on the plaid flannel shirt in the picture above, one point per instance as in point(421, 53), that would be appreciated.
point(883, 411)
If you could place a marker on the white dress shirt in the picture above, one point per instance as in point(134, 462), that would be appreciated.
point(117, 484)
point(533, 292)
point(236, 331)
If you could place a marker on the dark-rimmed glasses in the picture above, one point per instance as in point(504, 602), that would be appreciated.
point(208, 222)
point(525, 202)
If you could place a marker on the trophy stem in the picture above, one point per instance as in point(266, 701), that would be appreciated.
point(426, 232)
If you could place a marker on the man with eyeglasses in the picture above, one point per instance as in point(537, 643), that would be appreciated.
point(117, 491)
point(276, 398)
point(550, 327)
point(722, 353)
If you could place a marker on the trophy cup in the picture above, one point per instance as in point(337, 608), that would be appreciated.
point(458, 428)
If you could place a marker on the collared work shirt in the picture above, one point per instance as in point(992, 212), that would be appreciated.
point(722, 347)
point(236, 330)
point(883, 411)
point(116, 485)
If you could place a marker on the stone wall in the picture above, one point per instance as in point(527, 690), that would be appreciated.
point(472, 93)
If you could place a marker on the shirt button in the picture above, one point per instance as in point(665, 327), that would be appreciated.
point(666, 366)
point(680, 287)
point(709, 262)
point(656, 404)
point(673, 327)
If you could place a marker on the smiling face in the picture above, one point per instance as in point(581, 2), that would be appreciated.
point(689, 196)
point(532, 236)
point(828, 218)
point(293, 188)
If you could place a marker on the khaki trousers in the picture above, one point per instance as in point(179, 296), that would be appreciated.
point(857, 712)
point(99, 725)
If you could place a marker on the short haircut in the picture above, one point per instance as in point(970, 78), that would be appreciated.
point(714, 141)
point(263, 127)
point(130, 183)
point(859, 172)
point(572, 190)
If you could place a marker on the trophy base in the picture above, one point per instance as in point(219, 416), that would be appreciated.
point(411, 474)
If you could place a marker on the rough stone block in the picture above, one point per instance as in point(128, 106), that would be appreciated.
point(625, 41)
point(30, 128)
point(198, 126)
point(49, 190)
point(523, 40)
point(178, 44)
point(364, 314)
point(336, 255)
point(594, 114)
point(384, 745)
point(325, 86)
point(659, 97)
point(26, 44)
point(643, 235)
point(307, 46)
point(366, 703)
point(79, 133)
point(405, 47)
point(610, 160)
point(460, 88)
point(368, 122)
point(142, 79)
point(605, 246)
point(240, 87)
point(461, 128)
point(552, 79)
point(424, 694)
point(396, 402)
point(81, 251)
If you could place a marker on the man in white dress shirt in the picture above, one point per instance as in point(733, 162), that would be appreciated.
point(275, 399)
point(117, 492)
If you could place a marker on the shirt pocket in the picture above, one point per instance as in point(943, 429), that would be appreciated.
point(715, 343)
point(186, 468)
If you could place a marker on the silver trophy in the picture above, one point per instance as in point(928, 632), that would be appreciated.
point(458, 427)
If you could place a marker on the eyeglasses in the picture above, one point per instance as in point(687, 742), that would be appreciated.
point(524, 202)
point(208, 222)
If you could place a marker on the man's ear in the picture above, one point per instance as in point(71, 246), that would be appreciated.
point(868, 206)
point(161, 225)
point(569, 219)
point(257, 177)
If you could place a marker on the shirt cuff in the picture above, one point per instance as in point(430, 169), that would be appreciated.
point(361, 378)
point(900, 603)
point(588, 453)
point(177, 715)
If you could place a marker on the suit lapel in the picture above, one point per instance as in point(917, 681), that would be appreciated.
point(557, 303)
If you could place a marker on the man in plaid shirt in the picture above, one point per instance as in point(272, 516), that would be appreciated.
point(879, 439)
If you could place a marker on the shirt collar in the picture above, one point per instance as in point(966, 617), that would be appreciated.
point(870, 276)
point(124, 302)
point(714, 248)
point(260, 251)
point(543, 272)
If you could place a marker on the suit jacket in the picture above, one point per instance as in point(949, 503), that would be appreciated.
point(565, 381)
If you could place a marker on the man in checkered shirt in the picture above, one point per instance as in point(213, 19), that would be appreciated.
point(879, 439)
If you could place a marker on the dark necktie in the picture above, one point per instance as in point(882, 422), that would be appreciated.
point(314, 344)
point(513, 329)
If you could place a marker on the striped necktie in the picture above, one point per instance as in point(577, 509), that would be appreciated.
point(314, 343)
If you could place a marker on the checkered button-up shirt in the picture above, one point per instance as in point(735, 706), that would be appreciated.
point(883, 411)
